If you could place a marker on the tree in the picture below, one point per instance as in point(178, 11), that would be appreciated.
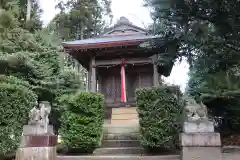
point(84, 18)
point(80, 19)
point(209, 41)
point(196, 23)
point(207, 34)
point(19, 10)
point(29, 61)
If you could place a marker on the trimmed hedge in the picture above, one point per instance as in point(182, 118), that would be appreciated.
point(15, 103)
point(160, 117)
point(82, 121)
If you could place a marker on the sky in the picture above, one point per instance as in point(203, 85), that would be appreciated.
point(138, 15)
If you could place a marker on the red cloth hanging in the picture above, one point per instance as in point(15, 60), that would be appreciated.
point(123, 83)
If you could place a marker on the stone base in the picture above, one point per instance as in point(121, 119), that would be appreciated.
point(38, 141)
point(201, 153)
point(200, 146)
point(37, 130)
point(200, 140)
point(37, 153)
point(198, 127)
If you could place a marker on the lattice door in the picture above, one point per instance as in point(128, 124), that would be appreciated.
point(131, 81)
point(107, 88)
point(117, 88)
point(112, 88)
point(145, 80)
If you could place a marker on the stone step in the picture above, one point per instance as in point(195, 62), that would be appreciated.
point(119, 151)
point(124, 116)
point(133, 128)
point(124, 110)
point(120, 143)
point(118, 157)
point(124, 121)
point(123, 136)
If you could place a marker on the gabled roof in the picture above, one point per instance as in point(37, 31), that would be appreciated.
point(122, 33)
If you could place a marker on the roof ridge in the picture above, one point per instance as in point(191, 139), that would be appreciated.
point(123, 21)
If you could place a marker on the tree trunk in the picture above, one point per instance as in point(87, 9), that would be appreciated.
point(29, 8)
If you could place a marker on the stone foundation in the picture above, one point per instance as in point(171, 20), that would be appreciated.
point(200, 139)
point(36, 144)
point(39, 141)
point(201, 127)
point(201, 153)
point(37, 130)
point(36, 153)
point(200, 142)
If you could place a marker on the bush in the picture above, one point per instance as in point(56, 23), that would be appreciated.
point(15, 103)
point(72, 80)
point(13, 80)
point(82, 121)
point(160, 115)
point(224, 110)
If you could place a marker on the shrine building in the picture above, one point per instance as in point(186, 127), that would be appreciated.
point(118, 63)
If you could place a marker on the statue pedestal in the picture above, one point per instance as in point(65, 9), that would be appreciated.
point(199, 141)
point(37, 130)
point(198, 127)
point(37, 144)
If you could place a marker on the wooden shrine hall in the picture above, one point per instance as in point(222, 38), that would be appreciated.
point(118, 63)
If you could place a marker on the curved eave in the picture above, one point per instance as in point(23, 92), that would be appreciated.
point(103, 44)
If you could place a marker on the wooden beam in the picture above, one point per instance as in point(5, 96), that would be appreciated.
point(119, 61)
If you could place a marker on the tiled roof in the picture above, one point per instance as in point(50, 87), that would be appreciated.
point(115, 38)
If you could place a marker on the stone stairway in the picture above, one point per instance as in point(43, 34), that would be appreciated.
point(121, 157)
point(120, 140)
point(124, 116)
point(228, 153)
point(121, 136)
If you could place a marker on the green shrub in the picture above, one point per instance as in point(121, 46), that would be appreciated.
point(160, 114)
point(13, 80)
point(81, 121)
point(224, 109)
point(15, 103)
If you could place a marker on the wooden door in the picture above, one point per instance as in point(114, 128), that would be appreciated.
point(131, 86)
point(111, 87)
point(145, 79)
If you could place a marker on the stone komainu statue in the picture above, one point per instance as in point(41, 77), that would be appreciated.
point(39, 116)
point(44, 113)
point(34, 115)
point(195, 111)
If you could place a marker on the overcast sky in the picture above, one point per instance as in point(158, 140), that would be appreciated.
point(138, 15)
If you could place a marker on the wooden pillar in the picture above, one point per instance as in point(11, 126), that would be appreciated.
point(93, 76)
point(89, 79)
point(155, 76)
point(99, 83)
point(76, 65)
